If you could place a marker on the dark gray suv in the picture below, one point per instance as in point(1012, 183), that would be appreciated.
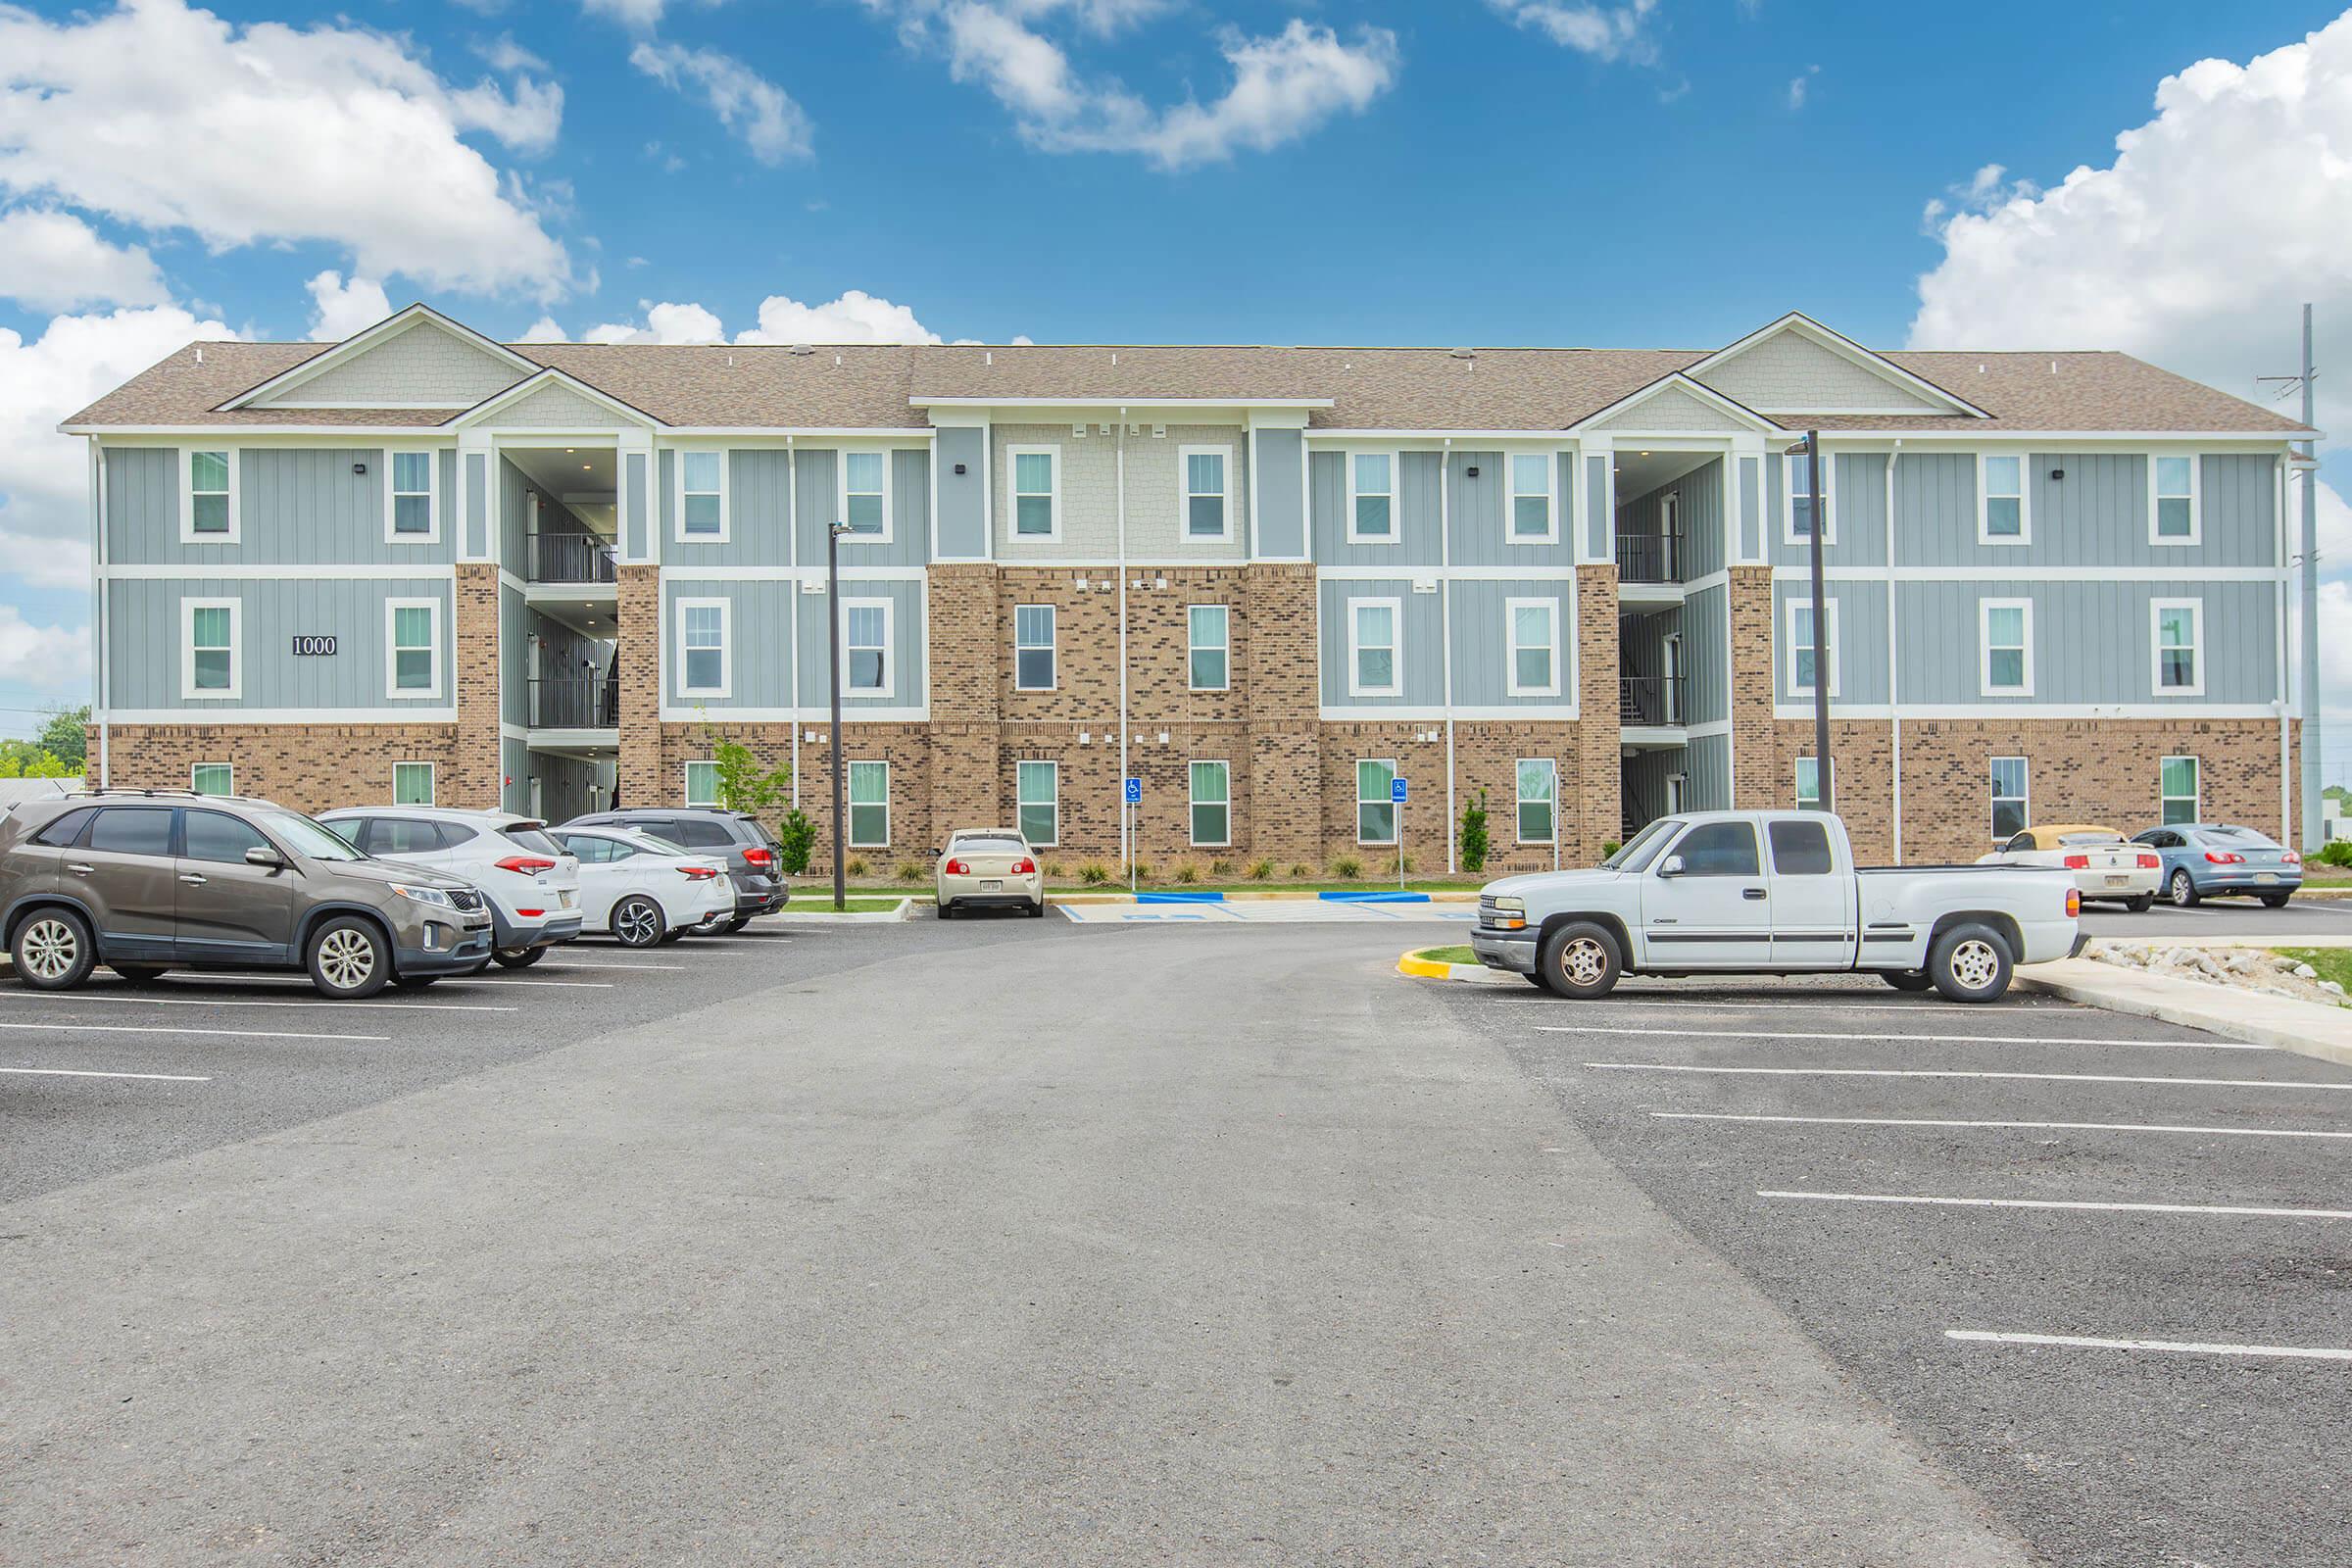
point(145, 881)
point(754, 859)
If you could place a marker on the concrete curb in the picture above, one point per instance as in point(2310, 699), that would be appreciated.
point(848, 917)
point(1179, 895)
point(1477, 974)
point(2303, 1027)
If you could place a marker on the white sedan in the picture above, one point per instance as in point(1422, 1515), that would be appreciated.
point(645, 889)
point(2105, 866)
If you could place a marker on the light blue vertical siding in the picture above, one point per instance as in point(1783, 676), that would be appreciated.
point(633, 485)
point(1708, 759)
point(2093, 641)
point(1861, 647)
point(1857, 511)
point(962, 497)
point(1751, 509)
point(2095, 516)
point(1482, 640)
point(759, 626)
point(1279, 519)
point(477, 504)
point(756, 517)
point(1422, 639)
point(1481, 517)
point(1599, 520)
point(144, 623)
point(1706, 638)
point(1644, 783)
point(818, 505)
point(515, 619)
point(908, 634)
point(1700, 518)
point(296, 506)
point(1416, 513)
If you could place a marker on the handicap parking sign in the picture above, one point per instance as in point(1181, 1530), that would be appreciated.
point(1135, 792)
point(1396, 790)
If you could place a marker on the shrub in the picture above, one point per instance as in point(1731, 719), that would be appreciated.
point(1053, 870)
point(1405, 866)
point(1143, 870)
point(855, 865)
point(2337, 853)
point(1186, 871)
point(1094, 874)
point(1259, 870)
point(1609, 848)
point(1474, 834)
point(1299, 873)
point(1347, 869)
point(794, 842)
point(910, 871)
point(1220, 868)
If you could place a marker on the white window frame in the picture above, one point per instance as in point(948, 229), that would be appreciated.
point(727, 508)
point(235, 690)
point(849, 803)
point(1185, 494)
point(2156, 610)
point(841, 494)
point(2196, 801)
point(195, 768)
point(1021, 801)
point(1511, 647)
point(1797, 782)
point(1790, 492)
point(1511, 494)
point(1050, 645)
point(2196, 499)
point(2025, 801)
point(1394, 824)
point(1013, 493)
point(393, 690)
point(726, 646)
point(1794, 605)
point(1395, 647)
point(1984, 499)
point(710, 799)
point(432, 782)
point(1984, 647)
point(1193, 804)
point(431, 493)
point(1520, 799)
point(1396, 533)
point(1223, 645)
point(890, 659)
point(188, 499)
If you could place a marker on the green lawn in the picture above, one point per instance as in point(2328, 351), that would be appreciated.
point(2333, 964)
point(853, 904)
point(1454, 955)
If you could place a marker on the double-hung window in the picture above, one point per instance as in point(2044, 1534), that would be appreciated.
point(1209, 649)
point(865, 493)
point(701, 784)
point(2012, 812)
point(865, 647)
point(1375, 811)
point(413, 639)
point(2005, 634)
point(1373, 667)
point(1796, 497)
point(412, 783)
point(2001, 520)
point(2172, 508)
point(1033, 648)
point(1539, 799)
point(209, 496)
point(1213, 804)
point(2178, 635)
point(705, 657)
point(1037, 801)
point(213, 778)
point(1036, 491)
point(1808, 782)
point(2177, 784)
point(702, 495)
point(1534, 651)
point(1531, 514)
point(1372, 498)
point(1205, 508)
point(870, 805)
point(210, 666)
point(1802, 650)
point(415, 514)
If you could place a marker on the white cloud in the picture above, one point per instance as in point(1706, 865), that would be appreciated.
point(170, 117)
point(341, 309)
point(638, 15)
point(664, 323)
point(545, 331)
point(502, 53)
point(747, 103)
point(44, 476)
point(53, 261)
point(857, 316)
point(1801, 84)
point(54, 659)
point(1603, 31)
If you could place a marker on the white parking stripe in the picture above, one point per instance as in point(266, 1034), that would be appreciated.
point(251, 1002)
point(602, 964)
point(78, 1072)
point(1978, 1040)
point(1644, 1004)
point(2300, 1352)
point(2048, 1126)
point(513, 980)
point(223, 1034)
point(2065, 1203)
point(1947, 1072)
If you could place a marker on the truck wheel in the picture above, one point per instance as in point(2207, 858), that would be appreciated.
point(1970, 964)
point(1580, 961)
point(2184, 890)
point(1906, 979)
point(2140, 905)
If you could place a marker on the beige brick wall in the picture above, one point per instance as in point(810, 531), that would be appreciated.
point(309, 767)
point(474, 777)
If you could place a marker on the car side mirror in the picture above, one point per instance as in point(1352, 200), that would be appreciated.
point(1672, 866)
point(268, 859)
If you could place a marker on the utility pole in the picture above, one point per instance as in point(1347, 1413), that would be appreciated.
point(2310, 772)
point(833, 662)
point(1822, 796)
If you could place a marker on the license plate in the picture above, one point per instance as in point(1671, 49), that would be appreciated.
point(564, 895)
point(2267, 876)
point(991, 886)
point(2117, 881)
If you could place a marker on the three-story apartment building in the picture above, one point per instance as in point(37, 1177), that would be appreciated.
point(1267, 581)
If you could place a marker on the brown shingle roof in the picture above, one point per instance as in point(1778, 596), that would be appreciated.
point(1370, 388)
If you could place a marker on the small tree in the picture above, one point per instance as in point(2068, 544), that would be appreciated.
point(24, 759)
point(1474, 834)
point(743, 786)
point(797, 839)
point(66, 736)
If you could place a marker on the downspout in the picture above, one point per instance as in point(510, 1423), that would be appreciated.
point(1894, 674)
point(1446, 636)
point(1126, 814)
point(792, 548)
point(98, 611)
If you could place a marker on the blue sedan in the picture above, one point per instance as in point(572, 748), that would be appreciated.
point(2217, 860)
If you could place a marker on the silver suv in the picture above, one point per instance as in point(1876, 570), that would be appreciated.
point(149, 880)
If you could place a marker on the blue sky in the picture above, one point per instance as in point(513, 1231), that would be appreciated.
point(1659, 172)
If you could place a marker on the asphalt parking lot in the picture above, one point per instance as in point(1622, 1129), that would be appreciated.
point(1971, 1207)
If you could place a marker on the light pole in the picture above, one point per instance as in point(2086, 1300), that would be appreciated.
point(833, 664)
point(1822, 797)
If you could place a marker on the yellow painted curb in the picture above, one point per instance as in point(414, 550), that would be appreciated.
point(1429, 969)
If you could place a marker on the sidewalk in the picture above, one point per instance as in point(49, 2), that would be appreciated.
point(2280, 1022)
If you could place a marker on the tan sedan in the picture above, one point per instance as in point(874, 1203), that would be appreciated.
point(988, 866)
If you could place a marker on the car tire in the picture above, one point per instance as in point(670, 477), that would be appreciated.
point(2275, 900)
point(140, 972)
point(946, 912)
point(1970, 963)
point(348, 959)
point(2182, 890)
point(413, 982)
point(53, 950)
point(1580, 961)
point(518, 957)
point(2141, 904)
point(638, 923)
point(1037, 910)
point(675, 934)
point(1906, 979)
point(738, 923)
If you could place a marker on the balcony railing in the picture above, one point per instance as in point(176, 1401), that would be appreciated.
point(568, 558)
point(575, 702)
point(1649, 700)
point(1649, 558)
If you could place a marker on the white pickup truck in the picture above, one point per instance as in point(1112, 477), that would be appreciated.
point(1772, 893)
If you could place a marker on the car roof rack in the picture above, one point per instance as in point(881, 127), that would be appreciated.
point(171, 794)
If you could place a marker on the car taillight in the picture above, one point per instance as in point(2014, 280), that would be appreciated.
point(2289, 857)
point(2078, 862)
point(696, 873)
point(530, 914)
point(2149, 862)
point(2225, 858)
point(2074, 904)
point(958, 868)
point(1024, 867)
point(760, 858)
point(526, 863)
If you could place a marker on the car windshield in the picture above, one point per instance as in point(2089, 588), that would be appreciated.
point(312, 841)
point(526, 837)
point(2241, 835)
point(2099, 836)
point(988, 846)
point(1640, 850)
